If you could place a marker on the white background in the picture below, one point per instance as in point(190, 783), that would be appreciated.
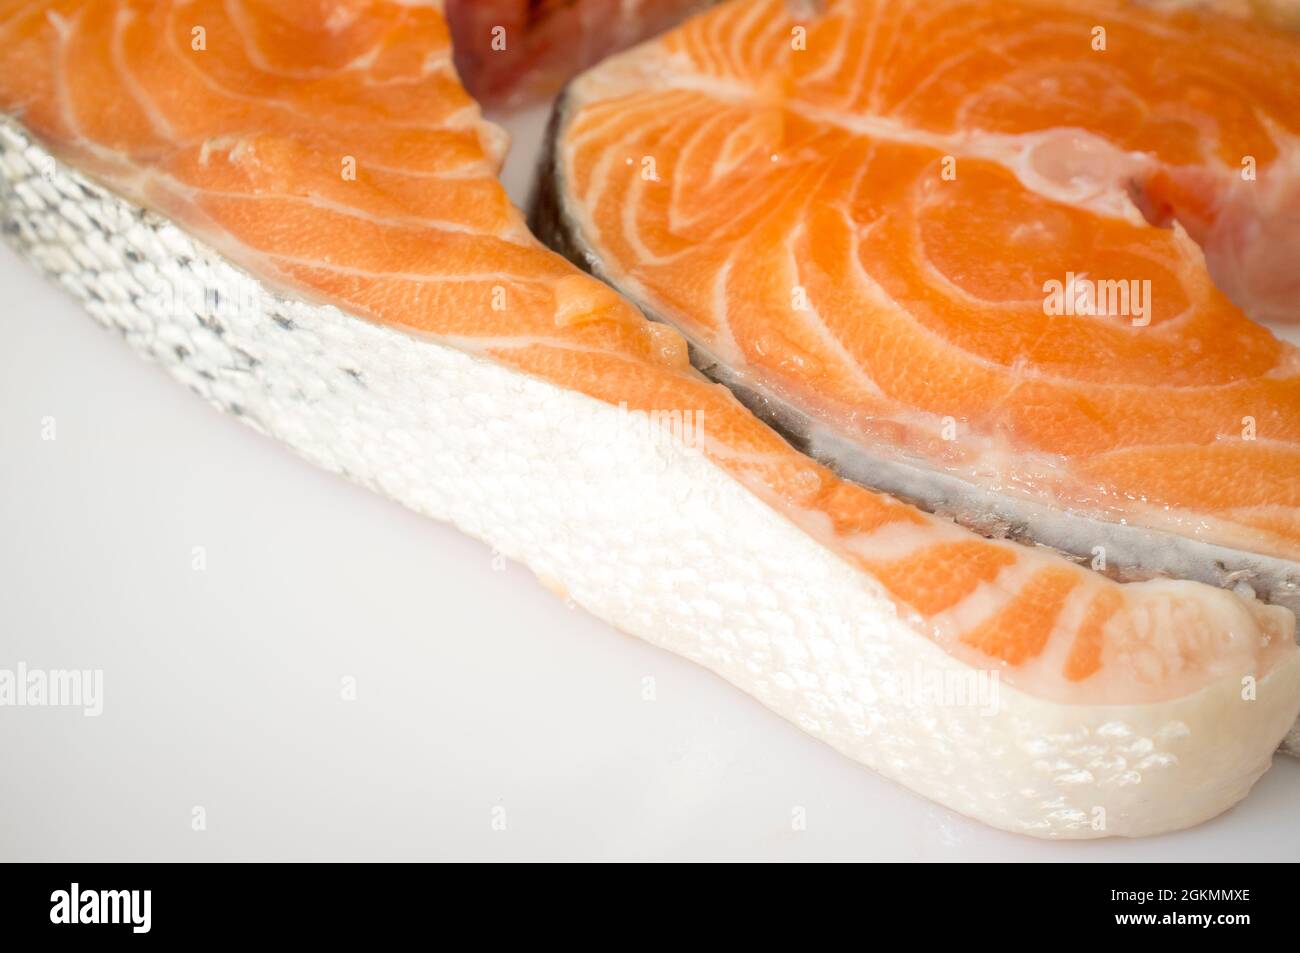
point(477, 688)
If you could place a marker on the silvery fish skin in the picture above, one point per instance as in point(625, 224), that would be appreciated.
point(425, 424)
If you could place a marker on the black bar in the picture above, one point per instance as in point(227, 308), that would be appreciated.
point(1022, 903)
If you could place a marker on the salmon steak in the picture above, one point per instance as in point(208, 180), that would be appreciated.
point(1008, 260)
point(293, 207)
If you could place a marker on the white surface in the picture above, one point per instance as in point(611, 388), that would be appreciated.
point(477, 688)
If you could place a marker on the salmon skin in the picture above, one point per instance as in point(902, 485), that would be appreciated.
point(514, 52)
point(293, 207)
point(912, 238)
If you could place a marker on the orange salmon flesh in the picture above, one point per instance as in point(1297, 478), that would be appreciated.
point(329, 149)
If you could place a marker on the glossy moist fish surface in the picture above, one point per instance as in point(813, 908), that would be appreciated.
point(952, 249)
point(318, 168)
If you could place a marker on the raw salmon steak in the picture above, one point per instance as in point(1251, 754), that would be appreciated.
point(512, 52)
point(1003, 259)
point(293, 207)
